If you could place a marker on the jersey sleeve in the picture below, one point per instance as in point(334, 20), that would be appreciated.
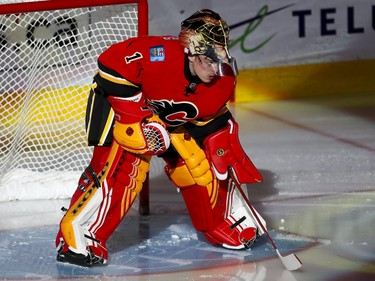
point(120, 69)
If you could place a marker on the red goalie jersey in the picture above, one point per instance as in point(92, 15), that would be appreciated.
point(158, 68)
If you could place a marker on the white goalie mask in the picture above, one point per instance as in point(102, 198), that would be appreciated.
point(205, 33)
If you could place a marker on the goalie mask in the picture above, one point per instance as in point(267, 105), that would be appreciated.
point(205, 33)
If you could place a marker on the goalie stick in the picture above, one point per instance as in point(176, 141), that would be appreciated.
point(291, 262)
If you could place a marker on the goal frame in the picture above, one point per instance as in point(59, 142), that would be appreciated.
point(16, 8)
point(26, 7)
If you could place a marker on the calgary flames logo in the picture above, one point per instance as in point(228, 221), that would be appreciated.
point(174, 113)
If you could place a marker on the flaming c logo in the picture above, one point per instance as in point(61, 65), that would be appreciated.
point(174, 113)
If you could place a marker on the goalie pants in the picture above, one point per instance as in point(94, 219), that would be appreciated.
point(105, 193)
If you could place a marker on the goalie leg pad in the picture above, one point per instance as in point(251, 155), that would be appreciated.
point(228, 222)
point(199, 207)
point(98, 160)
point(179, 173)
point(195, 158)
point(87, 205)
point(93, 217)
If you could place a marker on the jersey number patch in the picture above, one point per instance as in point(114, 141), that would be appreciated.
point(135, 56)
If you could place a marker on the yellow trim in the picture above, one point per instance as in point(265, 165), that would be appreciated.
point(93, 86)
point(123, 200)
point(127, 201)
point(202, 123)
point(213, 192)
point(329, 79)
point(107, 127)
point(116, 80)
point(138, 176)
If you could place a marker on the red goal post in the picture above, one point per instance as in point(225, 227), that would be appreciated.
point(48, 52)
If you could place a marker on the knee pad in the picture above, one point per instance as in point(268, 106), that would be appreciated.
point(179, 174)
point(197, 167)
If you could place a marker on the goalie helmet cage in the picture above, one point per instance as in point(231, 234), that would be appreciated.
point(48, 58)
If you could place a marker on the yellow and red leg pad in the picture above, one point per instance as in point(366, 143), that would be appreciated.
point(92, 218)
point(209, 196)
point(126, 184)
point(98, 160)
point(214, 209)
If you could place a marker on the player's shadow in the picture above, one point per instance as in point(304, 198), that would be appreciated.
point(261, 191)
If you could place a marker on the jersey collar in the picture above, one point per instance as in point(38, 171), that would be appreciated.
point(193, 80)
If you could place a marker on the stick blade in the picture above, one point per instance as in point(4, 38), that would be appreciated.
point(291, 262)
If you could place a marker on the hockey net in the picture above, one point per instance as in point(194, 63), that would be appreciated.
point(48, 58)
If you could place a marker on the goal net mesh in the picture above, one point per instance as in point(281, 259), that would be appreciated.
point(47, 62)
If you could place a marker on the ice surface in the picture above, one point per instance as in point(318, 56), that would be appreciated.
point(317, 157)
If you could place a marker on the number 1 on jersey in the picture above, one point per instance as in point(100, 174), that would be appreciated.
point(135, 56)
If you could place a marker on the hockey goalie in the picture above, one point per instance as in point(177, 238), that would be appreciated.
point(163, 96)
